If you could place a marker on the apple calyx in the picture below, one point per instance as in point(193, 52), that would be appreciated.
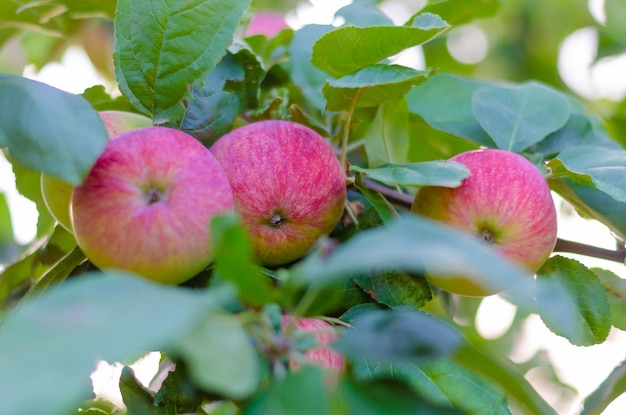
point(153, 195)
point(278, 219)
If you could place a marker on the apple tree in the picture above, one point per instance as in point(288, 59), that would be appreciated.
point(370, 318)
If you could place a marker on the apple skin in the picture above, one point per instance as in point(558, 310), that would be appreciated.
point(322, 355)
point(57, 194)
point(288, 185)
point(266, 23)
point(505, 201)
point(147, 204)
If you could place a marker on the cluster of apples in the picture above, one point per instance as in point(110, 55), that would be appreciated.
point(146, 205)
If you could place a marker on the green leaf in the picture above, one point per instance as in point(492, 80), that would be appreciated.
point(137, 398)
point(163, 47)
point(443, 382)
point(349, 49)
point(178, 394)
point(444, 101)
point(615, 287)
point(385, 210)
point(609, 390)
point(220, 356)
point(371, 86)
point(58, 272)
point(604, 167)
point(303, 392)
point(400, 336)
point(77, 316)
point(427, 173)
point(9, 249)
point(233, 260)
point(396, 289)
point(457, 12)
point(363, 13)
point(517, 117)
point(49, 130)
point(573, 302)
point(387, 138)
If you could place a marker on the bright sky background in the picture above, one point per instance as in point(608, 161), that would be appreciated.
point(583, 368)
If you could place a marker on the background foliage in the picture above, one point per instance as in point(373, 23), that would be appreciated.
point(395, 124)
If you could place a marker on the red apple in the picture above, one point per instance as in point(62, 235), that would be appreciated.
point(322, 355)
point(289, 188)
point(266, 23)
point(505, 202)
point(57, 194)
point(146, 205)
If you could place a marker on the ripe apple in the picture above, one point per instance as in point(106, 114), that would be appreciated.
point(266, 23)
point(505, 202)
point(322, 355)
point(288, 185)
point(57, 194)
point(147, 204)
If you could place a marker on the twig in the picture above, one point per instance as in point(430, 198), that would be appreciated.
point(562, 245)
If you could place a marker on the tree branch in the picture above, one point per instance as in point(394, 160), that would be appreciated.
point(562, 245)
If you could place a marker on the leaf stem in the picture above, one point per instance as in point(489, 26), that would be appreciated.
point(346, 130)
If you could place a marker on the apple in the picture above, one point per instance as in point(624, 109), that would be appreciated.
point(322, 355)
point(147, 204)
point(288, 185)
point(57, 194)
point(505, 202)
point(266, 23)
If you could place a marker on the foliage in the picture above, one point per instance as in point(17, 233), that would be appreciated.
point(189, 65)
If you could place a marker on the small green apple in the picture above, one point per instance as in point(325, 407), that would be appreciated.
point(57, 193)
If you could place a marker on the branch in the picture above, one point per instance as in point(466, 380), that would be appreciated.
point(562, 245)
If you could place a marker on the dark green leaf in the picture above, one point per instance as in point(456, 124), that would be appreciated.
point(387, 138)
point(457, 12)
point(178, 394)
point(137, 398)
point(573, 302)
point(427, 173)
point(444, 383)
point(59, 271)
point(221, 357)
point(396, 289)
point(399, 336)
point(615, 287)
point(517, 117)
point(613, 387)
point(163, 47)
point(444, 101)
point(34, 340)
point(373, 85)
point(349, 49)
point(233, 259)
point(46, 129)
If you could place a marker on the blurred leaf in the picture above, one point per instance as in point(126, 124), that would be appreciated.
point(609, 390)
point(583, 316)
point(8, 247)
point(427, 173)
point(517, 117)
point(385, 210)
point(396, 289)
point(28, 184)
point(444, 383)
point(162, 48)
point(371, 86)
point(221, 357)
point(457, 12)
point(444, 101)
point(427, 143)
point(309, 79)
point(302, 392)
point(363, 13)
point(36, 337)
point(100, 100)
point(59, 271)
point(400, 336)
point(137, 398)
point(387, 138)
point(615, 287)
point(233, 259)
point(349, 49)
point(604, 167)
point(56, 143)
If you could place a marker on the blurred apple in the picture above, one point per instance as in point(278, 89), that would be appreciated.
point(288, 185)
point(266, 23)
point(147, 204)
point(322, 355)
point(505, 202)
point(57, 194)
